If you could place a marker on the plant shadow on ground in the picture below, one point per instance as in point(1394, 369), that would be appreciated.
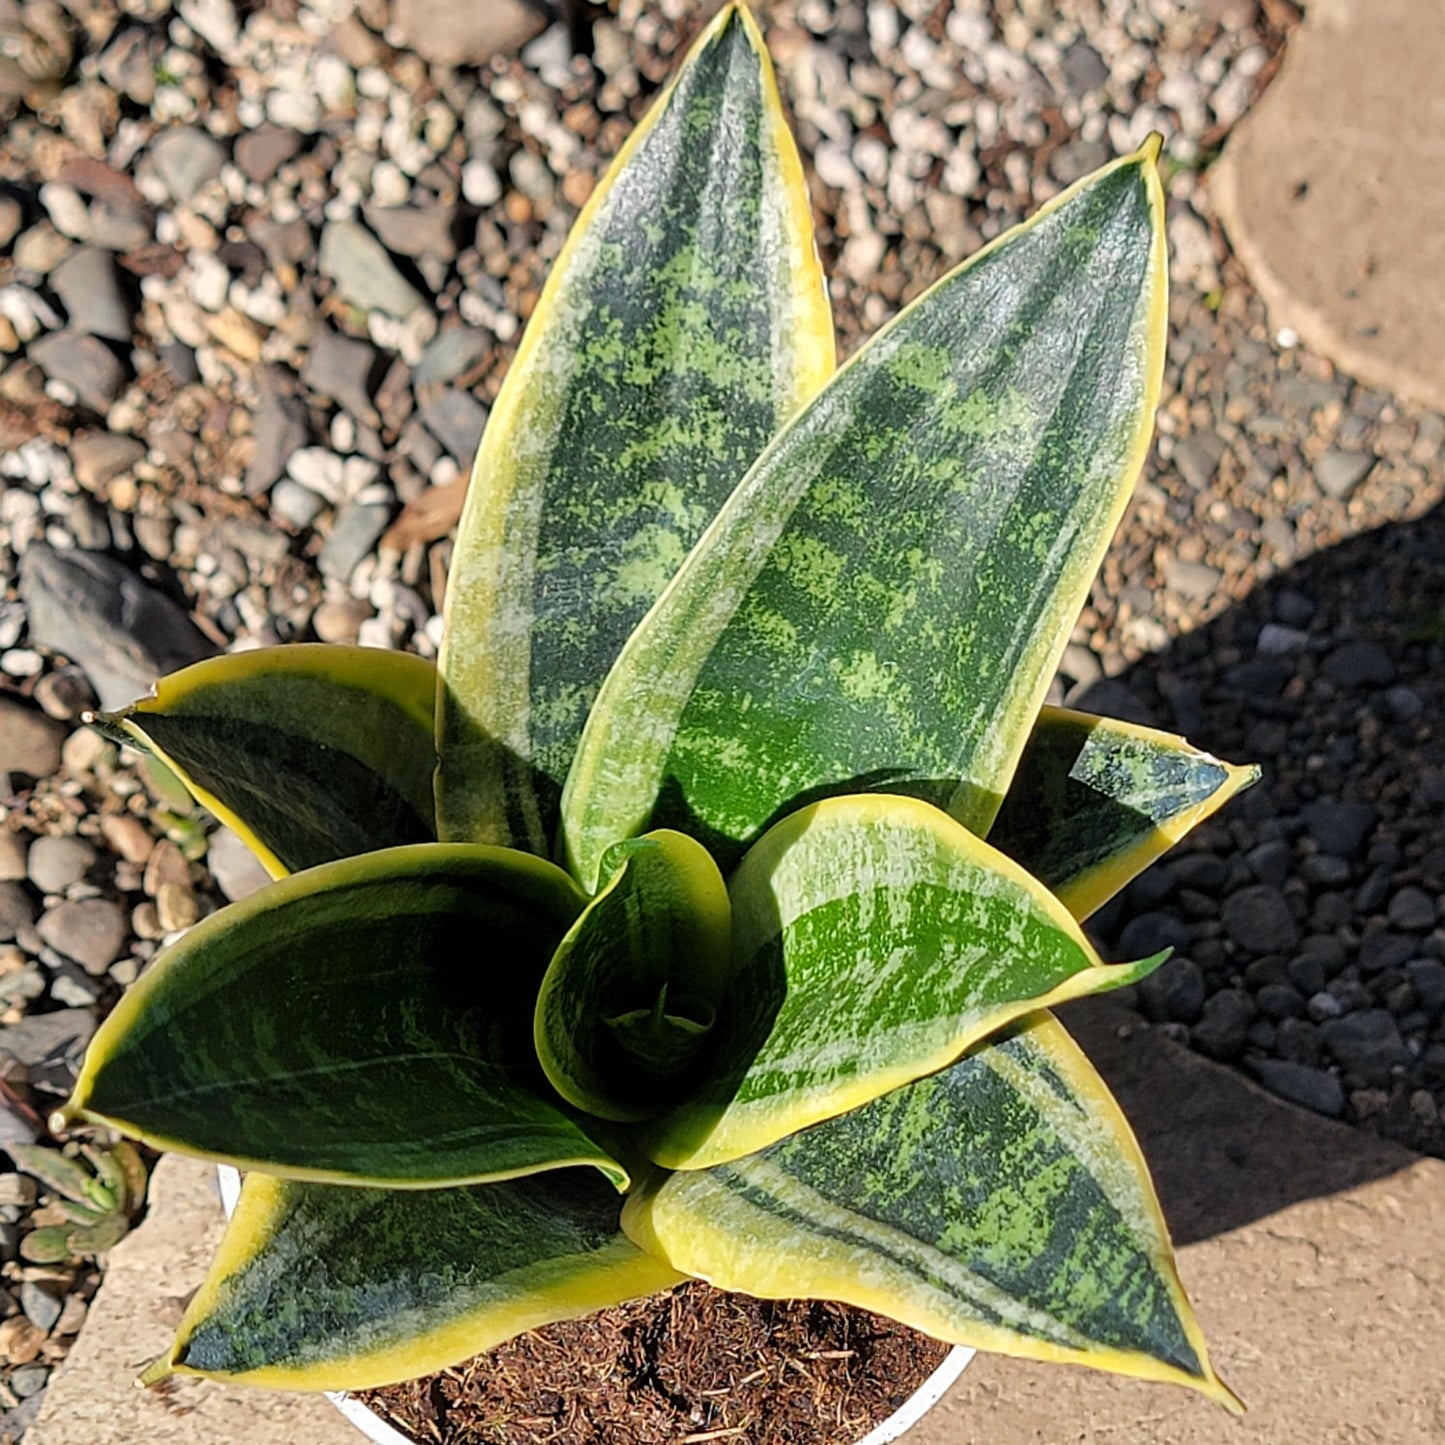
point(1346, 710)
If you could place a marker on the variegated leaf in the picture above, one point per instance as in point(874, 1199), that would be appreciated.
point(1002, 1203)
point(882, 602)
point(317, 1287)
point(1095, 801)
point(684, 319)
point(310, 752)
point(874, 940)
point(364, 1022)
point(631, 994)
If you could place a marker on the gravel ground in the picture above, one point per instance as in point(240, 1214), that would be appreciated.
point(261, 272)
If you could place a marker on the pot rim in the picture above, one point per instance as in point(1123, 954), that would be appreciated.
point(903, 1419)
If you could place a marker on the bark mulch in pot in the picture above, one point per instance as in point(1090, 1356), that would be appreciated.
point(694, 1365)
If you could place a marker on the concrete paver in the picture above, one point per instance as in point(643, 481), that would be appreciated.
point(1329, 191)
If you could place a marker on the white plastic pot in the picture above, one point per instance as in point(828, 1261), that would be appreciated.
point(903, 1419)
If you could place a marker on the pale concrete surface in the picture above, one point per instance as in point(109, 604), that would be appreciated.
point(1325, 1315)
point(92, 1398)
point(1329, 191)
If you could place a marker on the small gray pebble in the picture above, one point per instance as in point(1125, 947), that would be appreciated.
point(1202, 871)
point(92, 931)
point(1224, 1026)
point(1280, 1001)
point(17, 910)
point(1258, 920)
point(1367, 1044)
point(1325, 871)
point(74, 987)
point(1413, 910)
point(1150, 932)
point(186, 158)
point(29, 1380)
point(357, 529)
point(1293, 608)
point(1298, 1041)
point(234, 867)
point(1427, 978)
point(456, 419)
point(85, 364)
point(1306, 972)
point(1269, 862)
point(1084, 68)
point(1174, 992)
point(1372, 893)
point(297, 505)
point(1339, 473)
point(57, 862)
point(1341, 829)
point(1380, 949)
point(1359, 664)
point(1404, 702)
point(1316, 1089)
point(41, 1307)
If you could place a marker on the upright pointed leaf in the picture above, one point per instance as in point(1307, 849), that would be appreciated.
point(364, 1022)
point(1002, 1203)
point(685, 318)
point(632, 992)
point(874, 939)
point(1095, 801)
point(883, 600)
point(316, 1287)
point(310, 752)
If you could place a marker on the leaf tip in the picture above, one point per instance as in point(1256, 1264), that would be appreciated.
point(1152, 148)
point(161, 1368)
point(1243, 775)
point(1213, 1388)
point(1136, 972)
point(110, 725)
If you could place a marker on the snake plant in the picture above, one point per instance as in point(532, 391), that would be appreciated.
point(699, 914)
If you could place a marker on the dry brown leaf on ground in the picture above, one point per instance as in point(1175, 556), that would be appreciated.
point(430, 516)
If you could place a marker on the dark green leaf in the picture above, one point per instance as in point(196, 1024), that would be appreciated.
point(322, 1288)
point(310, 752)
point(1095, 801)
point(367, 1022)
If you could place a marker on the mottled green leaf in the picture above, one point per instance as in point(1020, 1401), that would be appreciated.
point(1002, 1203)
point(1095, 801)
point(316, 1287)
point(882, 602)
point(364, 1022)
point(632, 993)
point(684, 319)
point(310, 752)
point(874, 939)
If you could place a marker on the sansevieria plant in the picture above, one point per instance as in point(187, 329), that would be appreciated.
point(700, 913)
